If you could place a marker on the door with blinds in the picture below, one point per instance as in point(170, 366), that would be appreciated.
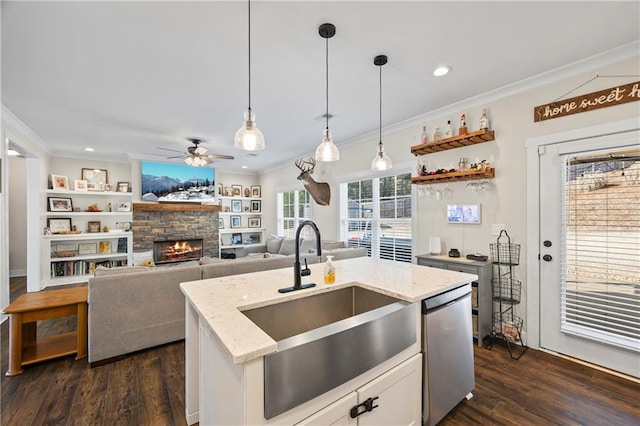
point(590, 250)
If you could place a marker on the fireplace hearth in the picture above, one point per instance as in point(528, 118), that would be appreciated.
point(172, 251)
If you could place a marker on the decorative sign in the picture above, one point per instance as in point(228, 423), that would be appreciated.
point(596, 100)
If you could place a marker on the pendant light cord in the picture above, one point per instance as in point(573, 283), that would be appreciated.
point(380, 108)
point(327, 79)
point(249, 49)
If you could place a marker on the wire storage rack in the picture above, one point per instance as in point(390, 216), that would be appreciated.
point(506, 293)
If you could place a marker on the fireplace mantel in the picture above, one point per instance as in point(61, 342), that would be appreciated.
point(175, 207)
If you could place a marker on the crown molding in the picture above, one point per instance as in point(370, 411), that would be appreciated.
point(11, 119)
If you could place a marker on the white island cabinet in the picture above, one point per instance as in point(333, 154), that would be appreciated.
point(225, 351)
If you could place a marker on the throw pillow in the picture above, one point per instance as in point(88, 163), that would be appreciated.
point(273, 244)
point(288, 246)
point(143, 258)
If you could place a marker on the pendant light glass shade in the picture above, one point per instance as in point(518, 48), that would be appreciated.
point(327, 150)
point(249, 137)
point(381, 161)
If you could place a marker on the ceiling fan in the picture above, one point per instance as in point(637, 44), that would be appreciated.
point(196, 155)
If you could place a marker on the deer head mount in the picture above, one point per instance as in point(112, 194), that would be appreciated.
point(320, 191)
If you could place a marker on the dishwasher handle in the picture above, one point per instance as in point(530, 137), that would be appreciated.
point(445, 298)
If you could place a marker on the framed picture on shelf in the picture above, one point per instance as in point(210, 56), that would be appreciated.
point(59, 224)
point(237, 190)
point(236, 238)
point(123, 226)
point(228, 191)
point(95, 176)
point(105, 247)
point(124, 206)
point(92, 186)
point(80, 185)
point(58, 204)
point(59, 182)
point(220, 223)
point(87, 248)
point(235, 222)
point(93, 226)
point(255, 222)
point(123, 187)
point(256, 206)
point(236, 206)
point(256, 191)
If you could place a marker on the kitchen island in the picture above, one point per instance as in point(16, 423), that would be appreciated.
point(225, 350)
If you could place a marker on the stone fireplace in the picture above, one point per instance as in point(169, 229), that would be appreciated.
point(165, 222)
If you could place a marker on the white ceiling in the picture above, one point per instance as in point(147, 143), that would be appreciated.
point(128, 77)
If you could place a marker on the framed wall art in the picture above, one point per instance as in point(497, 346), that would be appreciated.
point(255, 222)
point(256, 191)
point(93, 226)
point(235, 222)
point(124, 206)
point(59, 204)
point(237, 190)
point(80, 185)
point(95, 176)
point(256, 206)
point(123, 187)
point(87, 248)
point(236, 206)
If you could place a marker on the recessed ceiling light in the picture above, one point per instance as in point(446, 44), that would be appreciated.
point(443, 70)
point(89, 149)
point(245, 167)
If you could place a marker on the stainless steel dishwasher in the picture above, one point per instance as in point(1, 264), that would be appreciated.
point(447, 344)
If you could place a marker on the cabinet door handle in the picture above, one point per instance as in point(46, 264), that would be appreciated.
point(362, 408)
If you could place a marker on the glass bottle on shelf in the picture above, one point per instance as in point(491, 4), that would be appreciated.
point(484, 120)
point(424, 138)
point(437, 135)
point(448, 133)
point(463, 125)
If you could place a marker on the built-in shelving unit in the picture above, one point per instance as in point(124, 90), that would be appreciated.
point(454, 142)
point(72, 256)
point(241, 223)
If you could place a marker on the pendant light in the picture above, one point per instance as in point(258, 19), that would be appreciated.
point(327, 150)
point(381, 161)
point(249, 137)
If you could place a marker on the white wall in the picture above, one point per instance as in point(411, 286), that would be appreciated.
point(511, 116)
point(17, 184)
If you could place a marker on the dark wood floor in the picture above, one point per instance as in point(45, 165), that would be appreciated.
point(147, 388)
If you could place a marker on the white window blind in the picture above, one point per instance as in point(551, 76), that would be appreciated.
point(377, 215)
point(293, 208)
point(600, 296)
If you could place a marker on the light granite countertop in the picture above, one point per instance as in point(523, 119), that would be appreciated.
point(219, 301)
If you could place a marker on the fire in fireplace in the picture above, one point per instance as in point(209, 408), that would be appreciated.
point(177, 250)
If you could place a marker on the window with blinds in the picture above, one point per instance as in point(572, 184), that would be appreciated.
point(377, 215)
point(293, 208)
point(600, 293)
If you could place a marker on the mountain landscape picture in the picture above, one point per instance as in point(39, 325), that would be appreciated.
point(176, 182)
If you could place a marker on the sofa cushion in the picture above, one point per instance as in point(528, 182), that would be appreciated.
point(331, 245)
point(210, 260)
point(143, 258)
point(288, 246)
point(273, 244)
point(308, 245)
point(101, 271)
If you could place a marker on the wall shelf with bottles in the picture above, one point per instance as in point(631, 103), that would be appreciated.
point(486, 173)
point(459, 141)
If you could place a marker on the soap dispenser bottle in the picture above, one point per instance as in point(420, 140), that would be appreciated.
point(329, 271)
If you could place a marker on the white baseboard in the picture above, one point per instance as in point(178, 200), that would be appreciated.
point(13, 273)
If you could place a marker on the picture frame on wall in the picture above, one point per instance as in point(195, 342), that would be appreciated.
point(59, 224)
point(95, 176)
point(256, 206)
point(60, 204)
point(80, 185)
point(236, 222)
point(254, 222)
point(236, 206)
point(237, 190)
point(93, 226)
point(124, 206)
point(256, 191)
point(59, 182)
point(228, 191)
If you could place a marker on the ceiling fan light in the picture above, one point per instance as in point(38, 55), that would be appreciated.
point(189, 160)
point(249, 137)
point(327, 150)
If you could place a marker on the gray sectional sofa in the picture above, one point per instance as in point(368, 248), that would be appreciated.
point(135, 308)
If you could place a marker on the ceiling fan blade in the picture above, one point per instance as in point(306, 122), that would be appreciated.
point(177, 156)
point(220, 156)
point(168, 149)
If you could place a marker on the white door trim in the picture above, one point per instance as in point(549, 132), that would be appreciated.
point(533, 146)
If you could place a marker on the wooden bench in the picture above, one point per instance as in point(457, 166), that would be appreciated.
point(25, 347)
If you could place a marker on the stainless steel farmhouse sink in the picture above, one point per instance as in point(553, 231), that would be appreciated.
point(327, 339)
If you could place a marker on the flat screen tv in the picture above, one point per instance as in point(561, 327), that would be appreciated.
point(464, 213)
point(171, 182)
